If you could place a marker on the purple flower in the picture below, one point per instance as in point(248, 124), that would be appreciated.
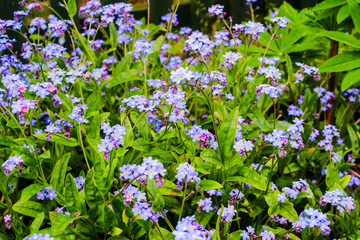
point(216, 10)
point(281, 197)
point(187, 172)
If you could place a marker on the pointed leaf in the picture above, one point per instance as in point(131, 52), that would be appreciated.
point(29, 208)
point(227, 134)
point(350, 79)
point(355, 13)
point(341, 62)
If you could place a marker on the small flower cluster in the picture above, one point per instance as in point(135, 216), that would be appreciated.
point(352, 94)
point(131, 193)
point(335, 157)
point(141, 103)
point(142, 48)
point(187, 172)
point(188, 228)
point(215, 192)
point(339, 200)
point(270, 72)
point(354, 180)
point(12, 163)
point(324, 99)
point(113, 139)
point(270, 61)
point(248, 233)
point(297, 187)
point(78, 114)
point(273, 92)
point(145, 211)
point(199, 43)
point(281, 21)
point(205, 205)
point(242, 146)
point(203, 137)
point(295, 131)
point(61, 210)
point(48, 192)
point(7, 220)
point(295, 111)
point(227, 214)
point(150, 168)
point(216, 10)
point(167, 18)
point(307, 70)
point(278, 138)
point(23, 106)
point(313, 218)
point(250, 28)
point(230, 59)
point(235, 194)
point(79, 181)
point(39, 236)
point(329, 132)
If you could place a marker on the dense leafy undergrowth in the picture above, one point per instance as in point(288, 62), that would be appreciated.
point(120, 129)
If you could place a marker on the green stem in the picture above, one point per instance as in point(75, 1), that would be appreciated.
point(82, 147)
point(183, 201)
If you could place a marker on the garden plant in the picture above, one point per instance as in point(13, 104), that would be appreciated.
point(116, 128)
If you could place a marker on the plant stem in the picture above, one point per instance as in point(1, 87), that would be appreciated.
point(82, 147)
point(183, 201)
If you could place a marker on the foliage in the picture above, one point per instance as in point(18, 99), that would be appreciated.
point(122, 129)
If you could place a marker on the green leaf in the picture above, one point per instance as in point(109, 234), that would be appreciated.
point(343, 13)
point(46, 154)
point(169, 188)
point(36, 224)
point(72, 8)
point(30, 191)
point(122, 77)
point(258, 119)
point(108, 176)
point(72, 197)
point(354, 139)
point(141, 145)
point(29, 208)
point(58, 138)
point(332, 175)
point(59, 172)
point(159, 202)
point(355, 13)
point(63, 221)
point(94, 197)
point(85, 47)
point(289, 67)
point(93, 102)
point(209, 184)
point(65, 100)
point(287, 210)
point(157, 43)
point(6, 141)
point(227, 134)
point(341, 62)
point(141, 123)
point(211, 156)
point(350, 79)
point(251, 177)
point(235, 235)
point(154, 234)
point(329, 4)
point(347, 39)
point(113, 35)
